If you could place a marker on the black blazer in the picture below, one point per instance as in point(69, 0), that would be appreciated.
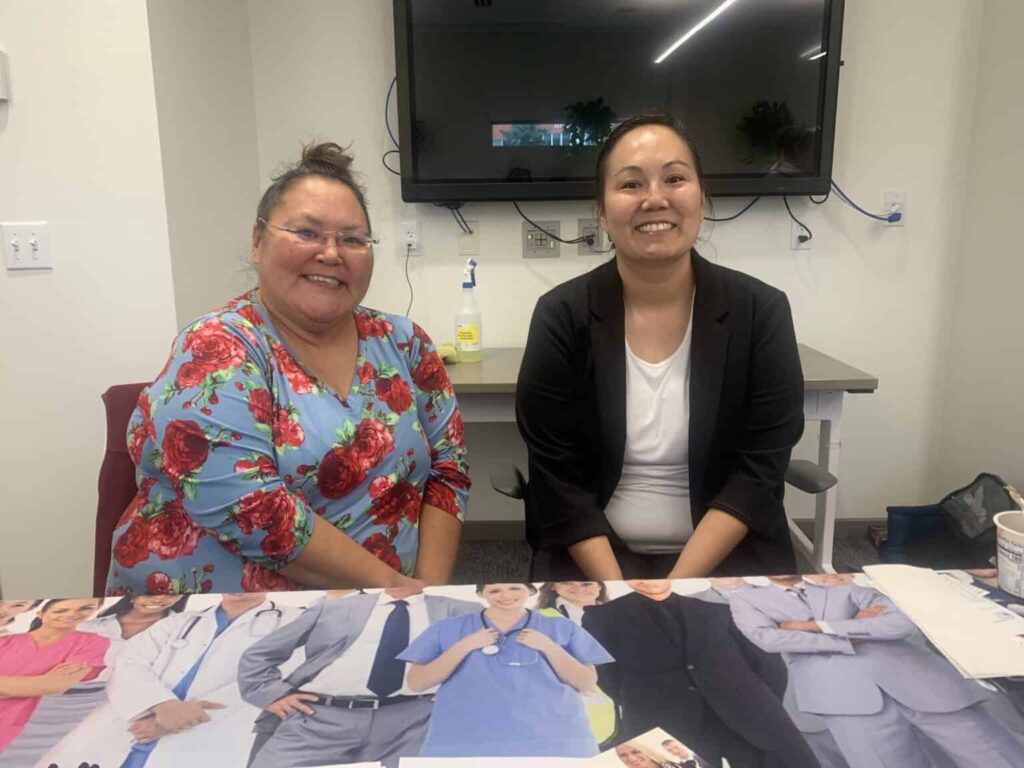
point(746, 410)
point(692, 681)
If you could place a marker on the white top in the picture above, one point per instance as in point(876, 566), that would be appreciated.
point(573, 612)
point(349, 674)
point(650, 508)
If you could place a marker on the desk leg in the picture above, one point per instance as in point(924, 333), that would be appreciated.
point(830, 408)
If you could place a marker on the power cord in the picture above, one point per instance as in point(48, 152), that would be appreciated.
point(588, 239)
point(387, 124)
point(890, 218)
point(802, 238)
point(455, 208)
point(408, 252)
point(736, 215)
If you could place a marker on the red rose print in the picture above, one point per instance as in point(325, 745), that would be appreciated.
point(441, 496)
point(132, 546)
point(136, 442)
point(159, 583)
point(379, 486)
point(395, 392)
point(430, 375)
point(213, 348)
point(379, 546)
point(452, 473)
point(172, 532)
point(339, 472)
point(287, 431)
point(256, 578)
point(185, 448)
point(206, 586)
point(297, 378)
point(266, 510)
point(369, 325)
point(420, 334)
point(261, 406)
point(455, 428)
point(189, 375)
point(366, 373)
point(372, 442)
point(208, 568)
point(132, 512)
point(400, 501)
point(250, 313)
point(263, 466)
point(279, 544)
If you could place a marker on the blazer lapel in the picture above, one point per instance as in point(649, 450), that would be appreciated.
point(608, 342)
point(708, 350)
point(352, 623)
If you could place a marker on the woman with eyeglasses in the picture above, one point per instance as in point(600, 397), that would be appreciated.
point(510, 680)
point(296, 438)
point(49, 659)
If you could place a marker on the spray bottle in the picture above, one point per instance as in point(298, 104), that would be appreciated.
point(468, 321)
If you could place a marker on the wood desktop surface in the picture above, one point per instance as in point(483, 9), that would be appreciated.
point(498, 371)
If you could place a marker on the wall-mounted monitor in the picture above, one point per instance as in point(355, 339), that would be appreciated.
point(509, 99)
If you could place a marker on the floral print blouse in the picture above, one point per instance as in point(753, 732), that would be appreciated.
point(238, 446)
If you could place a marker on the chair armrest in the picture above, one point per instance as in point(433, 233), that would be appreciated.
point(808, 477)
point(509, 482)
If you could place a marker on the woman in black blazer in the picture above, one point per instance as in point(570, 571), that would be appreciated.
point(745, 383)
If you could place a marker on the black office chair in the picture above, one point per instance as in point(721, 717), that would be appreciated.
point(803, 475)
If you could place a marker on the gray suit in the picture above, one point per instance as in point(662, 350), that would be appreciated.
point(331, 735)
point(872, 681)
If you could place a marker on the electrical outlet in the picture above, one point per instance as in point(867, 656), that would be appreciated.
point(409, 238)
point(537, 240)
point(592, 228)
point(795, 233)
point(895, 202)
point(469, 244)
point(26, 245)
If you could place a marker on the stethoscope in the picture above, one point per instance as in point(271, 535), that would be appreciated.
point(269, 619)
point(493, 648)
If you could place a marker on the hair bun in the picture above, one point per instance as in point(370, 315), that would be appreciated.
point(328, 156)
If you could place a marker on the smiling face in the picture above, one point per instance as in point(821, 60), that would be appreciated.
point(65, 615)
point(676, 749)
point(653, 202)
point(11, 608)
point(150, 604)
point(505, 597)
point(312, 286)
point(632, 757)
point(578, 592)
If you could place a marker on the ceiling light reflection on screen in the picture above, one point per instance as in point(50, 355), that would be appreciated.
point(700, 25)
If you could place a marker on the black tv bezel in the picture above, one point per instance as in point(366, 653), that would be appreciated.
point(415, 191)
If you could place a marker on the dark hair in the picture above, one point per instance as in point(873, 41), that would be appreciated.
point(660, 118)
point(328, 160)
point(548, 596)
point(38, 622)
point(532, 589)
point(126, 603)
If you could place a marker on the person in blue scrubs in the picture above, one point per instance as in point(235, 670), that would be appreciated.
point(510, 680)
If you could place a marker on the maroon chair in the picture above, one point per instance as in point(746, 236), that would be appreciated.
point(117, 477)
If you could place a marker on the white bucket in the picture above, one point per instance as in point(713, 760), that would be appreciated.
point(1010, 551)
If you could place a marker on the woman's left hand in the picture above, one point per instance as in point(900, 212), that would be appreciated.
point(531, 638)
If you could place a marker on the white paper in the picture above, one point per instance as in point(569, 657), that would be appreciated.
point(979, 637)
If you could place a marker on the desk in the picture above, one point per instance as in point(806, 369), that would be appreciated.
point(486, 392)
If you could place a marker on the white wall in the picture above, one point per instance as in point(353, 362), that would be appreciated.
point(874, 297)
point(983, 408)
point(79, 149)
point(203, 77)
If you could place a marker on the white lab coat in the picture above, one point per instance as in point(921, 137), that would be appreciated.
point(145, 674)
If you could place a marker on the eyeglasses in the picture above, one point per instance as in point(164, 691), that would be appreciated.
point(354, 242)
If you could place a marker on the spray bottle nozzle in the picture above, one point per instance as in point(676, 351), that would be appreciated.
point(469, 274)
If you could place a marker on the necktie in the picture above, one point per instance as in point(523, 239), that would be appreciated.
point(387, 672)
point(563, 610)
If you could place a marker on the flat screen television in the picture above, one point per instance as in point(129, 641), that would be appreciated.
point(509, 99)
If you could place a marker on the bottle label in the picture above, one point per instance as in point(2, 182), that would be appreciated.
point(467, 337)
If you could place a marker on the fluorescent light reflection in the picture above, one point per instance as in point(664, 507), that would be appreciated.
point(818, 56)
point(700, 25)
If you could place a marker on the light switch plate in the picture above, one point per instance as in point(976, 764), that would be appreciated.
point(26, 245)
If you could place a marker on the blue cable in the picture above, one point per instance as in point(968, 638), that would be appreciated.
point(891, 218)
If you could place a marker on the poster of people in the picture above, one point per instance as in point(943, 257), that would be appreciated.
point(797, 671)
